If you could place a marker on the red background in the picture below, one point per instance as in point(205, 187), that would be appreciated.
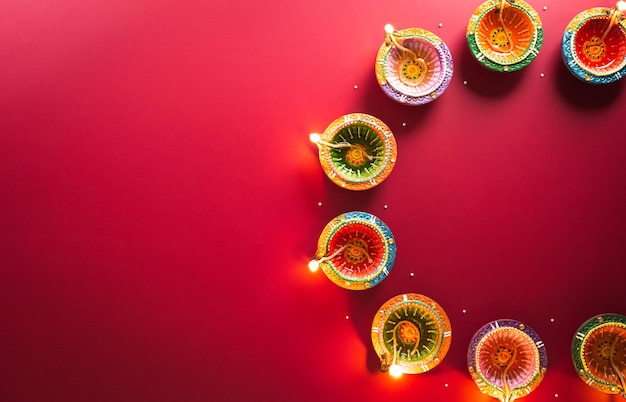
point(159, 200)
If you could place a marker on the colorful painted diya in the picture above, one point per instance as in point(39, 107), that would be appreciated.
point(599, 353)
point(504, 35)
point(413, 66)
point(507, 359)
point(357, 151)
point(594, 44)
point(411, 334)
point(356, 251)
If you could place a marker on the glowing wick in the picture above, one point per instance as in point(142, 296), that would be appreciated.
point(395, 371)
point(391, 37)
point(315, 264)
point(620, 7)
point(317, 140)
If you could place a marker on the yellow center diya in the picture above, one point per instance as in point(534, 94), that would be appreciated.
point(411, 334)
point(357, 151)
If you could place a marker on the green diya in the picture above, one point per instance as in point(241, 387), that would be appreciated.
point(599, 353)
point(357, 151)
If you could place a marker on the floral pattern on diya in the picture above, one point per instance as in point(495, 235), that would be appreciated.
point(506, 359)
point(594, 45)
point(357, 151)
point(415, 71)
point(411, 332)
point(504, 35)
point(356, 250)
point(599, 353)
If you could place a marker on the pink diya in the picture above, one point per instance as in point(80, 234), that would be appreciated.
point(413, 66)
point(507, 359)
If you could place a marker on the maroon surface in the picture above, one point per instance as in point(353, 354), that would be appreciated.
point(160, 200)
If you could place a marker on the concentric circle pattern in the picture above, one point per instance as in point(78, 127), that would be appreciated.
point(506, 359)
point(593, 49)
point(418, 78)
point(361, 250)
point(505, 40)
point(364, 152)
point(599, 353)
point(412, 332)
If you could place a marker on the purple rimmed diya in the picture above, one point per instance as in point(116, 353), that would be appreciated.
point(594, 44)
point(506, 359)
point(504, 35)
point(599, 353)
point(413, 66)
point(411, 334)
point(357, 151)
point(356, 251)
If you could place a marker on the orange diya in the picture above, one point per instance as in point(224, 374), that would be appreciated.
point(504, 35)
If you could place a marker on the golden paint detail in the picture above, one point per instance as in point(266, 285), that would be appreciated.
point(409, 332)
point(417, 70)
point(506, 36)
point(412, 332)
point(507, 364)
point(601, 357)
point(356, 251)
point(357, 155)
point(594, 12)
point(385, 157)
point(412, 72)
point(500, 38)
point(595, 48)
point(401, 35)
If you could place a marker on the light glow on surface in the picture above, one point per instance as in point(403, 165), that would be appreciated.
point(315, 138)
point(314, 265)
point(621, 5)
point(160, 201)
point(395, 371)
point(389, 29)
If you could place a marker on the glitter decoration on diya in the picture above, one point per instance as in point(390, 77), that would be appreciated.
point(356, 251)
point(507, 359)
point(599, 353)
point(413, 66)
point(504, 35)
point(357, 151)
point(594, 44)
point(411, 334)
